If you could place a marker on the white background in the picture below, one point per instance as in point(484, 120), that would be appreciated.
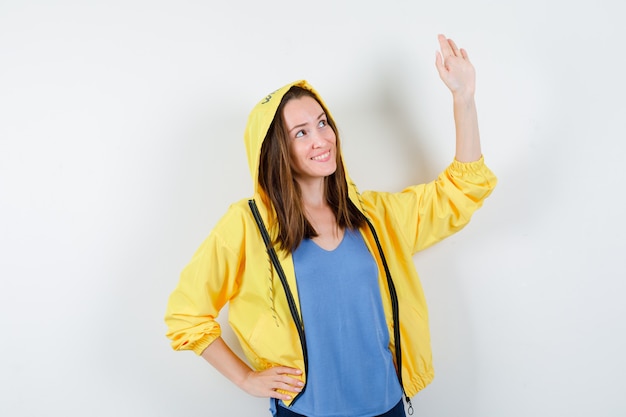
point(121, 126)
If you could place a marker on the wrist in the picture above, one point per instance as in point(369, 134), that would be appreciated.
point(244, 379)
point(463, 97)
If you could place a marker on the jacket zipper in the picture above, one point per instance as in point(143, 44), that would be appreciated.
point(395, 314)
point(283, 279)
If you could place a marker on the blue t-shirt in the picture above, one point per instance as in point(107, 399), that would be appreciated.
point(351, 370)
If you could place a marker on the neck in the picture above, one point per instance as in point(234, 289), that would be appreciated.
point(313, 194)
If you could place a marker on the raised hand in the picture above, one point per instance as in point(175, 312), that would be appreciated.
point(455, 68)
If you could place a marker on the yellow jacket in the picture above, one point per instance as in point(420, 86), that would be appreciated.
point(232, 265)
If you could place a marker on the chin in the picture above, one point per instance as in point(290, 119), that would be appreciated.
point(330, 170)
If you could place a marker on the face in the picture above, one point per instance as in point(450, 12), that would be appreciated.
point(311, 140)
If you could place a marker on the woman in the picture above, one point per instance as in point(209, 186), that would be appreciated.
point(322, 290)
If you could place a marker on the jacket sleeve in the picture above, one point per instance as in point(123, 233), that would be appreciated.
point(428, 213)
point(206, 284)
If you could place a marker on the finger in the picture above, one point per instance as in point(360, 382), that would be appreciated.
point(284, 370)
point(280, 395)
point(464, 54)
point(446, 49)
point(284, 386)
point(439, 63)
point(289, 381)
point(453, 47)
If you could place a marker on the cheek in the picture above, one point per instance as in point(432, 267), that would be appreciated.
point(295, 153)
point(332, 137)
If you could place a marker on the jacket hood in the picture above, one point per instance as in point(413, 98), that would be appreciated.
point(259, 122)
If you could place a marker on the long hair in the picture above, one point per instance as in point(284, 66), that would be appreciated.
point(278, 182)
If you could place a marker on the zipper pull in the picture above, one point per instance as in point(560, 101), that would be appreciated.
point(410, 406)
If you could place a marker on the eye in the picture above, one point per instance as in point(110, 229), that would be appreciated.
point(322, 123)
point(299, 133)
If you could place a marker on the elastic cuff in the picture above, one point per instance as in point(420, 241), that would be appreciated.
point(201, 344)
point(461, 168)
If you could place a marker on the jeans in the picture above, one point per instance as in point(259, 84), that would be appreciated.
point(397, 411)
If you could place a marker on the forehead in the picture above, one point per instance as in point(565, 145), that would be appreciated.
point(301, 110)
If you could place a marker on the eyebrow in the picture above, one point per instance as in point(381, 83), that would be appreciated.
point(305, 123)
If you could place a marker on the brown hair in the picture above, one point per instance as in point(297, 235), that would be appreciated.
point(277, 181)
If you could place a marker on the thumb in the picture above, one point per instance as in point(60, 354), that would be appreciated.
point(441, 68)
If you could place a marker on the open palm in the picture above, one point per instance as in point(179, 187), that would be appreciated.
point(455, 68)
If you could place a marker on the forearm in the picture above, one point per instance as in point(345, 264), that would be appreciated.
point(466, 123)
point(222, 358)
point(268, 383)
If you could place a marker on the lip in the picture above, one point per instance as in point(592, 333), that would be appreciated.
point(324, 157)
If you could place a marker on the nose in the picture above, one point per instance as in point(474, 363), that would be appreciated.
point(318, 139)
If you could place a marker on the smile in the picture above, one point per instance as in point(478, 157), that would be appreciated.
point(321, 157)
